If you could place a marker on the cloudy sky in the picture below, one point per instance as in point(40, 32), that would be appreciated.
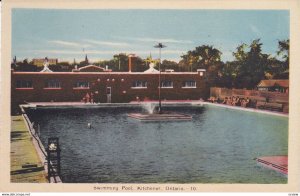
point(68, 34)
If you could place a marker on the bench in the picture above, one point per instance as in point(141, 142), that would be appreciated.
point(274, 106)
point(269, 106)
point(260, 104)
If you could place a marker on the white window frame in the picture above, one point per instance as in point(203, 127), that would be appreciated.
point(53, 84)
point(24, 84)
point(164, 82)
point(138, 84)
point(190, 84)
point(79, 85)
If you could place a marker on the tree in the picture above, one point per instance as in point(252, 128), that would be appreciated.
point(228, 74)
point(83, 63)
point(284, 49)
point(139, 65)
point(122, 60)
point(203, 57)
point(25, 66)
point(166, 64)
point(250, 65)
point(284, 54)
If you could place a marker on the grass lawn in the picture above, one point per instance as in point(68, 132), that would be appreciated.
point(25, 164)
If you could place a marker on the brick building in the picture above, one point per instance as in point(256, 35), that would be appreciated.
point(40, 62)
point(115, 87)
point(274, 86)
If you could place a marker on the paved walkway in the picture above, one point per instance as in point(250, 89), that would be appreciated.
point(25, 163)
point(276, 163)
point(164, 102)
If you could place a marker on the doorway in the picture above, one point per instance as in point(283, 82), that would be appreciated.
point(108, 94)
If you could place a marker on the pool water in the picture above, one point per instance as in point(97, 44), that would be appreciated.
point(217, 146)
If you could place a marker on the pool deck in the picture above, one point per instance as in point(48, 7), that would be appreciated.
point(25, 164)
point(28, 155)
point(248, 109)
point(276, 163)
point(139, 103)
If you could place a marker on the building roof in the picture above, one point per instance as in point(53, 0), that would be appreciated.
point(46, 69)
point(272, 83)
point(92, 68)
point(151, 69)
point(100, 73)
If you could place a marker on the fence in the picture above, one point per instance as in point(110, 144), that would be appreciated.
point(272, 97)
point(39, 147)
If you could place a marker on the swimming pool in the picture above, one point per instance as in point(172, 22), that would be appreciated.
point(217, 146)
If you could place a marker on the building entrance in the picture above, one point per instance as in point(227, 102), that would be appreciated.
point(108, 94)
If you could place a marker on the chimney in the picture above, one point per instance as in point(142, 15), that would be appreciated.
point(201, 72)
point(130, 56)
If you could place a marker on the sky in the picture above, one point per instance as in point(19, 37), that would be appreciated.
point(99, 34)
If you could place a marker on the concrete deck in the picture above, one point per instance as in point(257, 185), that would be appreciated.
point(137, 103)
point(248, 109)
point(276, 163)
point(25, 163)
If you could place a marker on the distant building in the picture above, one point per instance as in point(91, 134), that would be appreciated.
point(274, 85)
point(40, 62)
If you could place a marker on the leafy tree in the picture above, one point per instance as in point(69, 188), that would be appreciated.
point(283, 65)
point(284, 49)
point(166, 64)
point(122, 60)
point(139, 65)
point(25, 66)
point(55, 68)
point(82, 64)
point(228, 74)
point(204, 57)
point(250, 65)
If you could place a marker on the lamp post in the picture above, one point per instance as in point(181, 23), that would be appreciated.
point(160, 46)
point(119, 58)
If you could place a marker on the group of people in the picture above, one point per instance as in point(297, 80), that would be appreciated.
point(236, 101)
point(233, 101)
point(88, 98)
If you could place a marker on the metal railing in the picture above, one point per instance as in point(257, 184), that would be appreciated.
point(35, 134)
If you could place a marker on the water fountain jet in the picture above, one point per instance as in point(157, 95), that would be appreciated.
point(160, 115)
point(149, 107)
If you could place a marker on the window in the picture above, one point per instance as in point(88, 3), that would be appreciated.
point(24, 84)
point(263, 89)
point(53, 84)
point(166, 84)
point(189, 84)
point(139, 84)
point(82, 84)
